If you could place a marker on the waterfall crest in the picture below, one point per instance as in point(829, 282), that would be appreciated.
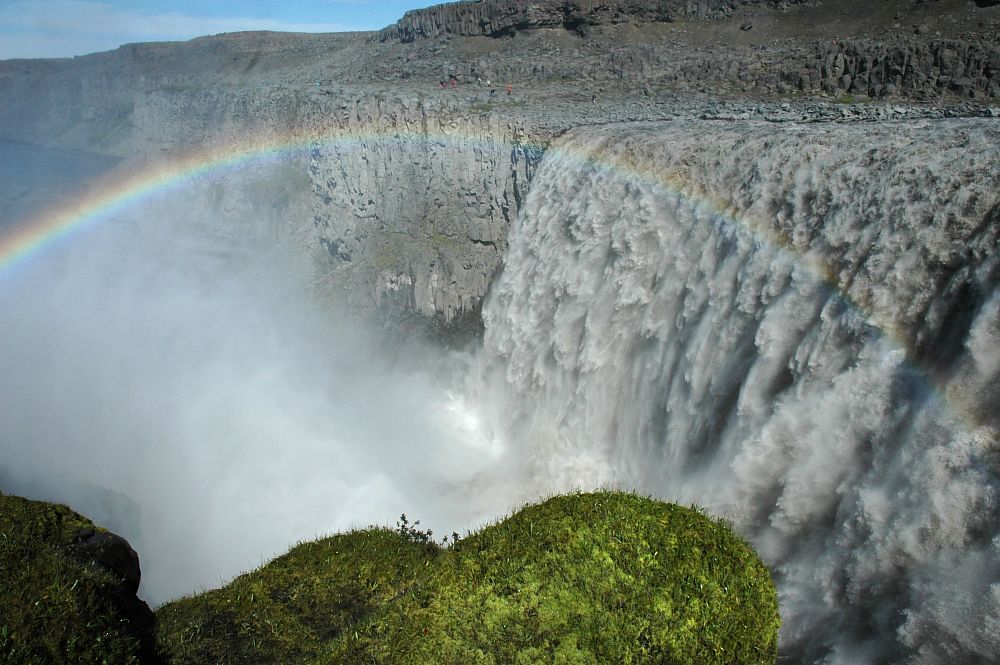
point(796, 327)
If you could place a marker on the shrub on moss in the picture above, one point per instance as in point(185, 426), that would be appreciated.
point(58, 602)
point(583, 578)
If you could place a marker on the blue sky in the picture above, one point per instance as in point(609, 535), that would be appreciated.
point(61, 28)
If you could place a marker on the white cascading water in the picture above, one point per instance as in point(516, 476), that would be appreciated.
point(796, 327)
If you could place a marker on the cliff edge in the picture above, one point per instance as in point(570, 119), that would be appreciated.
point(67, 590)
point(500, 18)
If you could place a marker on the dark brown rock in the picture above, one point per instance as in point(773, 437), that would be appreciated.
point(111, 551)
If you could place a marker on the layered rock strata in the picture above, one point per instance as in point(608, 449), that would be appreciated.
point(497, 18)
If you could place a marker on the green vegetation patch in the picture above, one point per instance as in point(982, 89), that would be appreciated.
point(584, 578)
point(305, 604)
point(58, 604)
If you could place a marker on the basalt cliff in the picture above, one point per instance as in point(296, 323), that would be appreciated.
point(410, 203)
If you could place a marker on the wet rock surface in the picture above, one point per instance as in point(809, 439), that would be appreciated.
point(111, 551)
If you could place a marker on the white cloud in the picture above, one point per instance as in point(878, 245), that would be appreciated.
point(60, 28)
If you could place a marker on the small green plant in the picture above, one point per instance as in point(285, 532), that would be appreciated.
point(412, 533)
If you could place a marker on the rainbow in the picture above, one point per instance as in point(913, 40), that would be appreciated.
point(133, 184)
point(122, 188)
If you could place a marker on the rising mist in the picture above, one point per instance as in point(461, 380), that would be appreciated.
point(171, 372)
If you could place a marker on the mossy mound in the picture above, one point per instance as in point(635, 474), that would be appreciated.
point(583, 578)
point(66, 594)
point(300, 606)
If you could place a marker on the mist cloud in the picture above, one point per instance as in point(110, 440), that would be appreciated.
point(168, 374)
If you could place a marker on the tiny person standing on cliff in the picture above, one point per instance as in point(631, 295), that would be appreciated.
point(510, 88)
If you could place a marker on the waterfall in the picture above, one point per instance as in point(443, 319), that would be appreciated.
point(796, 327)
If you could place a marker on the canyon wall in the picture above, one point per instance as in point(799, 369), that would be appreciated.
point(403, 192)
point(415, 202)
point(403, 198)
point(900, 68)
point(497, 18)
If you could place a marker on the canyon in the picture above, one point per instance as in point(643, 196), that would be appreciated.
point(732, 253)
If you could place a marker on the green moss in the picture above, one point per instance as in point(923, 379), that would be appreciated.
point(583, 578)
point(608, 577)
point(57, 605)
point(300, 605)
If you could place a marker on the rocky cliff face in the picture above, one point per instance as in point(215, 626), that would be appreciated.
point(403, 200)
point(912, 68)
point(406, 191)
point(498, 18)
point(414, 202)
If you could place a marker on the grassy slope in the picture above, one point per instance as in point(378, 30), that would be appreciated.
point(584, 578)
point(299, 606)
point(56, 607)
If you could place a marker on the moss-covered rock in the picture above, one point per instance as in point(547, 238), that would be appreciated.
point(301, 604)
point(67, 590)
point(583, 578)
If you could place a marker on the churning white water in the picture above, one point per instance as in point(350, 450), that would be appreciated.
point(794, 327)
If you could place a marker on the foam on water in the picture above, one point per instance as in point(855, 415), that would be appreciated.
point(796, 329)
